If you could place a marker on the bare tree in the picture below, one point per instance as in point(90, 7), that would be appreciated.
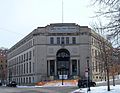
point(110, 10)
point(105, 48)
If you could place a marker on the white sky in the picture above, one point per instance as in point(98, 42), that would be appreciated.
point(20, 17)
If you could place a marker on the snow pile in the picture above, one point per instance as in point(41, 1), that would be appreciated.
point(25, 86)
point(60, 84)
point(100, 89)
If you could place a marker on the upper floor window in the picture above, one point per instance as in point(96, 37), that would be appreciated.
point(24, 57)
point(58, 40)
point(95, 53)
point(29, 67)
point(92, 41)
point(51, 40)
point(30, 54)
point(19, 60)
point(27, 56)
point(67, 40)
point(73, 40)
point(62, 40)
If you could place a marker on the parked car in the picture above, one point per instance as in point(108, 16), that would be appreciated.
point(84, 83)
point(0, 84)
point(12, 84)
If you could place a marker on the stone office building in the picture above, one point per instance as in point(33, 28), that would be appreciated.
point(48, 52)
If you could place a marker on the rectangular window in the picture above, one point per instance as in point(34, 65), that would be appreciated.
point(95, 53)
point(24, 57)
point(33, 67)
point(51, 40)
point(33, 79)
point(24, 68)
point(33, 52)
point(92, 41)
point(74, 67)
point(52, 70)
point(58, 40)
point(93, 66)
point(30, 54)
point(96, 66)
point(29, 67)
point(26, 80)
point(62, 40)
point(67, 40)
point(27, 56)
point(19, 59)
point(29, 79)
point(21, 80)
point(73, 40)
point(17, 70)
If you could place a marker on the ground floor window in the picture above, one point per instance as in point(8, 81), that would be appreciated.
point(74, 67)
point(52, 67)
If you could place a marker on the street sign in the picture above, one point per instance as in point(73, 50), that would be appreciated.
point(63, 76)
point(86, 73)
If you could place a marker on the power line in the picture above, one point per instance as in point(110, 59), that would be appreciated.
point(3, 29)
point(62, 11)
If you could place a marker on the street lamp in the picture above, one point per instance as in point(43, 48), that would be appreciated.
point(62, 70)
point(88, 67)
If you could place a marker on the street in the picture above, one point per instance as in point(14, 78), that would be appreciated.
point(37, 90)
point(64, 89)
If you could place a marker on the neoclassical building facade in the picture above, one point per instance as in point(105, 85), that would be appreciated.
point(54, 50)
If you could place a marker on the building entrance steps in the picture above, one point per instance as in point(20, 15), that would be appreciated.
point(58, 83)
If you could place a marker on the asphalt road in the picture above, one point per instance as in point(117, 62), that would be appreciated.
point(38, 90)
point(47, 89)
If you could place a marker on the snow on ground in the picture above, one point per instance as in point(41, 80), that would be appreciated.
point(60, 84)
point(25, 86)
point(100, 89)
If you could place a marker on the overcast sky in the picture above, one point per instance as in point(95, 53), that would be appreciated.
point(20, 17)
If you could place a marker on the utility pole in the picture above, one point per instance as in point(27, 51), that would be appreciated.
point(62, 12)
point(88, 74)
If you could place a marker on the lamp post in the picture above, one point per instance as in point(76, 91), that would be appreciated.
point(62, 70)
point(88, 67)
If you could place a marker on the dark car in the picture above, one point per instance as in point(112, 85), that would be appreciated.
point(12, 84)
point(0, 84)
point(84, 83)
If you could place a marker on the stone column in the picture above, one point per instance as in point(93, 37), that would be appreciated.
point(70, 67)
point(55, 67)
point(77, 68)
point(48, 67)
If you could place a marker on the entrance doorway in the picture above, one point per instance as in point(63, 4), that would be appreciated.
point(63, 62)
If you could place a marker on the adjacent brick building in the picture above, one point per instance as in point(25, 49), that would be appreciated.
point(3, 65)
